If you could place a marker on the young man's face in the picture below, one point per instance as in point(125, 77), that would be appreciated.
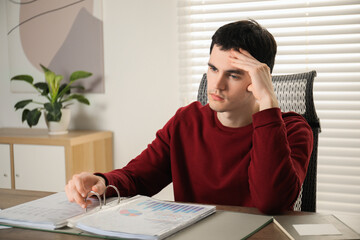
point(227, 85)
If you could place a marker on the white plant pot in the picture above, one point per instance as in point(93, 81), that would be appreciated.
point(61, 127)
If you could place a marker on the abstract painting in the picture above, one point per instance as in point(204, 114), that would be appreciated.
point(63, 35)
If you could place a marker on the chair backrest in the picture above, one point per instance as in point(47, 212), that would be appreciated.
point(294, 93)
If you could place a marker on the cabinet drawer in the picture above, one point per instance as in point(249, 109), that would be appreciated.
point(39, 167)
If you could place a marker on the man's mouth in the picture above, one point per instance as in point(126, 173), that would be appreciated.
point(216, 97)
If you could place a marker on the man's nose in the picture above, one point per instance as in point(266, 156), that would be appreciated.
point(220, 82)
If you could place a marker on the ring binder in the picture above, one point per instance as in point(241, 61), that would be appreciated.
point(92, 193)
point(158, 219)
point(104, 196)
point(117, 191)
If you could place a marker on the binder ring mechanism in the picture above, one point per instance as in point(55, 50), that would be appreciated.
point(91, 193)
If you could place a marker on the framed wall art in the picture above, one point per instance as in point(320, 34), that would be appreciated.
point(63, 35)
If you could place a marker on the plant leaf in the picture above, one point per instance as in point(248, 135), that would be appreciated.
point(62, 87)
point(58, 79)
point(64, 91)
point(52, 106)
point(45, 69)
point(22, 104)
point(43, 87)
point(68, 89)
point(26, 78)
point(79, 98)
point(33, 117)
point(79, 74)
point(53, 111)
point(24, 114)
point(55, 87)
point(50, 78)
point(78, 87)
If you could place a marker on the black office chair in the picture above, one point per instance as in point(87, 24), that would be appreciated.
point(294, 93)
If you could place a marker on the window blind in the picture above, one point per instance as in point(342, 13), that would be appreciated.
point(321, 35)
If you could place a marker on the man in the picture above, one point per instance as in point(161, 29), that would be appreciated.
point(237, 150)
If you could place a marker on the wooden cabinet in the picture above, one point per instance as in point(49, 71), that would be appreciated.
point(31, 159)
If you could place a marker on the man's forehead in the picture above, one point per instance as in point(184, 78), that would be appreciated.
point(219, 59)
point(219, 56)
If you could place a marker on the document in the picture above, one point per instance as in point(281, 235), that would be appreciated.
point(50, 212)
point(139, 217)
point(143, 218)
point(3, 227)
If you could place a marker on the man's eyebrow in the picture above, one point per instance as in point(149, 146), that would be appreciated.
point(211, 65)
point(230, 71)
point(236, 71)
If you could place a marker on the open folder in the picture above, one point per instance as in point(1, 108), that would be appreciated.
point(138, 217)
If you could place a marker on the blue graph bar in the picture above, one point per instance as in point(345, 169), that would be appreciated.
point(175, 208)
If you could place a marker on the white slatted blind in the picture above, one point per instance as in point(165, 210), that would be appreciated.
point(311, 35)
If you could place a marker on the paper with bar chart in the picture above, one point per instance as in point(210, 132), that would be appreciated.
point(144, 218)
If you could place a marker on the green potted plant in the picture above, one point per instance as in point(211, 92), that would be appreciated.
point(58, 97)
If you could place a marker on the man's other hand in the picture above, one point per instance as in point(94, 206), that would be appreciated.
point(81, 184)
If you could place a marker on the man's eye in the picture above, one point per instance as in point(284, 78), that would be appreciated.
point(236, 77)
point(212, 69)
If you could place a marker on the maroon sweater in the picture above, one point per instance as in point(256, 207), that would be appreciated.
point(261, 165)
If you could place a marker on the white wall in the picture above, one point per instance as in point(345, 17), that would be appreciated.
point(141, 83)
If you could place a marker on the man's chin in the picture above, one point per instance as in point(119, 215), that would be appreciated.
point(215, 107)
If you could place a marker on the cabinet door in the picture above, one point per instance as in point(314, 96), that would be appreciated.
point(5, 167)
point(39, 167)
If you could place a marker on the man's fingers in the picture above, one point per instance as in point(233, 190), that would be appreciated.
point(79, 185)
point(95, 189)
point(73, 195)
point(243, 51)
point(246, 53)
point(99, 187)
point(243, 56)
point(68, 192)
point(79, 199)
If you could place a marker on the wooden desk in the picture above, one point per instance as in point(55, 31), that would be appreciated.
point(9, 197)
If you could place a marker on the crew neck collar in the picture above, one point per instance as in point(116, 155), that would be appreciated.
point(230, 129)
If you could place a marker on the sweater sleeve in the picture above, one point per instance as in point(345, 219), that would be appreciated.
point(149, 172)
point(279, 159)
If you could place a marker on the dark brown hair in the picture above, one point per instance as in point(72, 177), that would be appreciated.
point(250, 36)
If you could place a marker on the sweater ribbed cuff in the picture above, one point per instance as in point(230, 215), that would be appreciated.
point(266, 117)
point(103, 176)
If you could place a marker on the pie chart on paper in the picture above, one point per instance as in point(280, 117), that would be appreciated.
point(130, 212)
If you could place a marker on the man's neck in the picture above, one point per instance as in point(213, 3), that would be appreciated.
point(236, 119)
